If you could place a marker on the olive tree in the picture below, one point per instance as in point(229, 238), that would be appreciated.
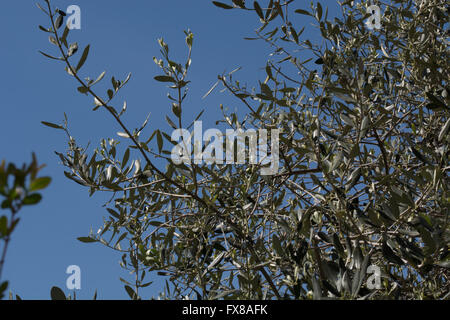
point(359, 207)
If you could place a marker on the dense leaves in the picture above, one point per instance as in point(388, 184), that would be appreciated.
point(363, 179)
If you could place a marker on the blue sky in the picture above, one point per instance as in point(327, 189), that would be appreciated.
point(123, 37)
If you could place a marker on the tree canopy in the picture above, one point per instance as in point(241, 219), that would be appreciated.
point(362, 179)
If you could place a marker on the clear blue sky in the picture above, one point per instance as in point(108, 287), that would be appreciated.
point(123, 37)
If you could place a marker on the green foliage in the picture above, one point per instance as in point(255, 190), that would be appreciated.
point(364, 122)
point(18, 186)
point(57, 294)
